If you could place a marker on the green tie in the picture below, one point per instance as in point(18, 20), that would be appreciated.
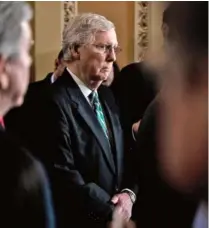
point(94, 99)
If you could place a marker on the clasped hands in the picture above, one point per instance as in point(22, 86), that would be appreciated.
point(123, 206)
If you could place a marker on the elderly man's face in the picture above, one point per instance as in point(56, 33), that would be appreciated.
point(17, 70)
point(96, 59)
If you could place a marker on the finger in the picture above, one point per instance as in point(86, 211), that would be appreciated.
point(114, 199)
point(119, 219)
point(117, 213)
point(127, 215)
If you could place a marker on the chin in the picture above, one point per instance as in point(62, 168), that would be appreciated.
point(94, 85)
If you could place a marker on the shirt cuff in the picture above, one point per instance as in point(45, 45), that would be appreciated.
point(129, 190)
point(133, 134)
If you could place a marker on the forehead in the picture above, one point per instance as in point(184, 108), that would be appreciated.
point(107, 37)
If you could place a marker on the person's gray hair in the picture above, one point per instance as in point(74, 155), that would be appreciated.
point(81, 30)
point(12, 14)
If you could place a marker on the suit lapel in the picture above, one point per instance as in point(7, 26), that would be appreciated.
point(115, 126)
point(86, 112)
point(88, 115)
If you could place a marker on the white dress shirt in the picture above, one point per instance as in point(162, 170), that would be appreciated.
point(53, 78)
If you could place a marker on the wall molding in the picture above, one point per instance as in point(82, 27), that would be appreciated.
point(70, 10)
point(141, 22)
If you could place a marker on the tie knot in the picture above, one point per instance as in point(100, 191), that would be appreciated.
point(93, 97)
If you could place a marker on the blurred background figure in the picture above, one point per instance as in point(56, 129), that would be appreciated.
point(134, 89)
point(59, 65)
point(25, 194)
point(184, 108)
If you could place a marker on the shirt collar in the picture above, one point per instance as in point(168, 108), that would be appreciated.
point(52, 78)
point(84, 89)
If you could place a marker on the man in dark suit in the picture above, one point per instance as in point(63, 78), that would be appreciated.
point(18, 117)
point(77, 132)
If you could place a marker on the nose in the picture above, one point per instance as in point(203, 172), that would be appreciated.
point(111, 56)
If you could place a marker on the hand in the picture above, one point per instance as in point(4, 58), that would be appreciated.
point(119, 222)
point(135, 127)
point(124, 205)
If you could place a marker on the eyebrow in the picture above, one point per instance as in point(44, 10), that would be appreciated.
point(107, 44)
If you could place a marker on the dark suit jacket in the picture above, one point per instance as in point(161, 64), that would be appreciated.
point(25, 195)
point(134, 89)
point(18, 119)
point(84, 171)
point(159, 205)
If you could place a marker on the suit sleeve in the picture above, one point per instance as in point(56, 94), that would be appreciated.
point(54, 145)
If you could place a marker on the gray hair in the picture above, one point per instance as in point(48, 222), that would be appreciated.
point(12, 14)
point(81, 30)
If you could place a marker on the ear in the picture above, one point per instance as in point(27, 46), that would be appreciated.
point(56, 63)
point(75, 52)
point(4, 78)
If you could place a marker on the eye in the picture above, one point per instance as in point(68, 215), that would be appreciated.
point(101, 46)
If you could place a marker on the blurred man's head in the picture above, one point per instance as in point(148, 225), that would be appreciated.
point(59, 65)
point(165, 21)
point(15, 61)
point(90, 46)
point(184, 112)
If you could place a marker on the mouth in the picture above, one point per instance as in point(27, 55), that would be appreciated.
point(97, 79)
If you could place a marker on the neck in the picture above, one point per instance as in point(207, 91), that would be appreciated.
point(74, 69)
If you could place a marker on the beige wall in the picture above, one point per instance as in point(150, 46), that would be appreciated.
point(155, 21)
point(48, 24)
point(48, 27)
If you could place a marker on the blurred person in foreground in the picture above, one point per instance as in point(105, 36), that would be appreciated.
point(160, 204)
point(183, 149)
point(25, 194)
